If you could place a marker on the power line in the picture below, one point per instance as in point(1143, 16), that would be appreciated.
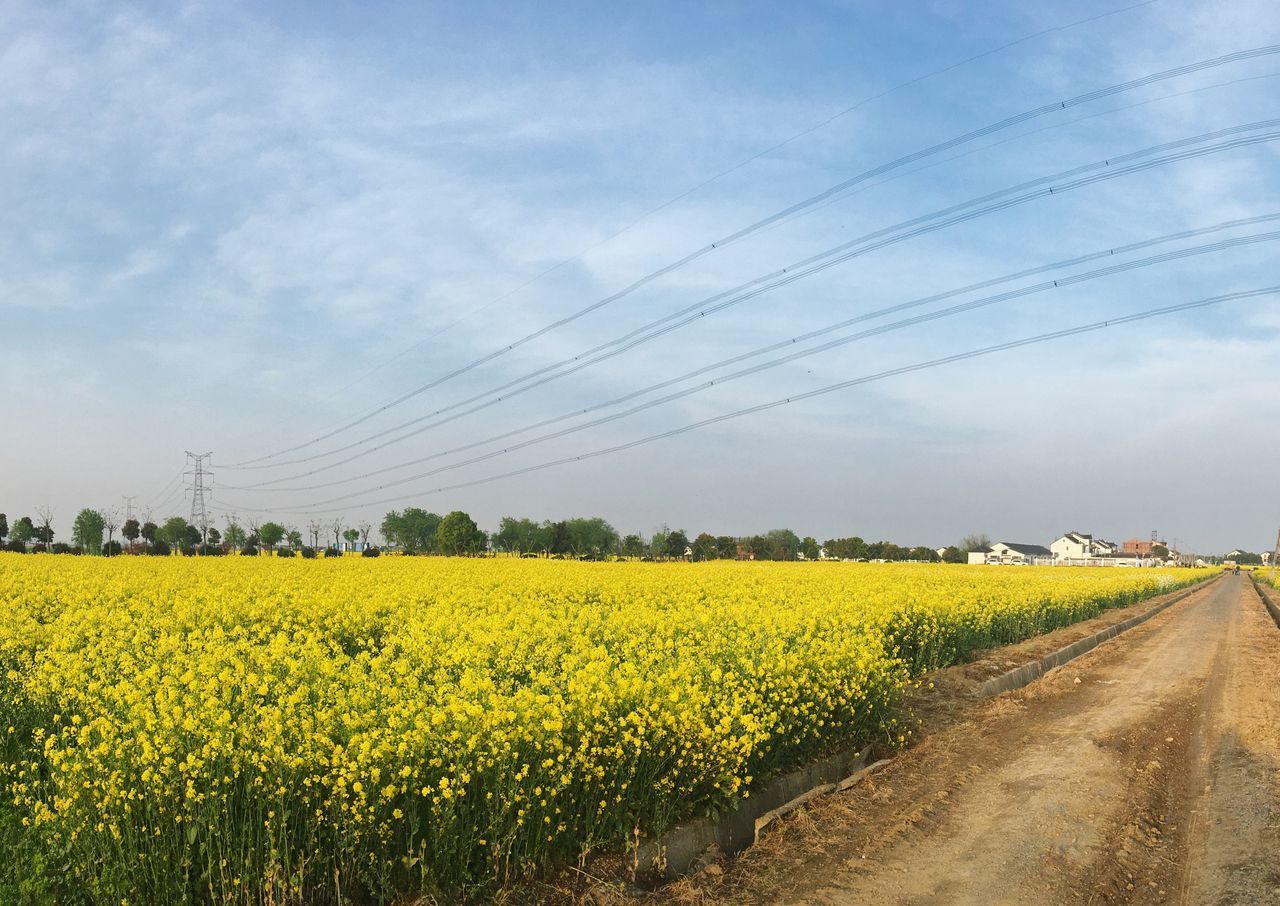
point(1004, 199)
point(962, 308)
point(746, 162)
point(744, 232)
point(821, 391)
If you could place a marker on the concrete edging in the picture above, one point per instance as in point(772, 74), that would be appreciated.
point(1268, 599)
point(683, 847)
point(1028, 673)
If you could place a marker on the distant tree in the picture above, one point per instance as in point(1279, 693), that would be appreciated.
point(174, 531)
point(593, 536)
point(1159, 550)
point(294, 537)
point(759, 548)
point(658, 547)
point(24, 530)
point(314, 528)
point(783, 544)
point(234, 536)
point(215, 537)
point(365, 528)
point(87, 530)
point(633, 546)
point(520, 536)
point(927, 554)
point(335, 527)
point(726, 547)
point(953, 554)
point(458, 534)
point(158, 548)
point(111, 522)
point(44, 524)
point(809, 547)
point(149, 531)
point(974, 542)
point(677, 544)
point(352, 536)
point(413, 531)
point(4, 526)
point(271, 533)
point(191, 537)
point(704, 547)
point(130, 531)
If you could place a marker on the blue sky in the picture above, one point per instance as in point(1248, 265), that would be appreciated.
point(231, 227)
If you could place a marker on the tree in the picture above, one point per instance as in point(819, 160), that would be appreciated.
point(44, 524)
point(953, 554)
point(352, 536)
point(4, 526)
point(413, 531)
point(215, 537)
point(191, 536)
point(782, 544)
point(294, 537)
point(927, 554)
point(365, 528)
point(677, 544)
point(726, 547)
point(111, 521)
point(314, 528)
point(809, 547)
point(174, 531)
point(658, 543)
point(335, 526)
point(234, 536)
point(87, 530)
point(24, 530)
point(130, 531)
point(458, 534)
point(149, 531)
point(704, 547)
point(592, 536)
point(271, 533)
point(520, 536)
point(633, 546)
point(971, 543)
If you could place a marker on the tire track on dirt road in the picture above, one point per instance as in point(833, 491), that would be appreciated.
point(1143, 772)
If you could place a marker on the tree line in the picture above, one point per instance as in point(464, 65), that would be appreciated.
point(418, 531)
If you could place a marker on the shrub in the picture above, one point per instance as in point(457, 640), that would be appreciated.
point(308, 553)
point(112, 549)
point(159, 548)
point(61, 547)
point(332, 552)
point(248, 551)
point(284, 552)
point(16, 547)
point(370, 552)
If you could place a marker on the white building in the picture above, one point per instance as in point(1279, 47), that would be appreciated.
point(1011, 553)
point(1079, 546)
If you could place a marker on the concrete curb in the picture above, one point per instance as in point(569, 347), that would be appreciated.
point(1268, 599)
point(679, 849)
point(1028, 673)
point(682, 848)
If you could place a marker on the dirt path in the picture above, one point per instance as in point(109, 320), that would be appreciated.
point(1147, 771)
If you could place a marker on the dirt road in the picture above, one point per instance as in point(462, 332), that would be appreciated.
point(1147, 771)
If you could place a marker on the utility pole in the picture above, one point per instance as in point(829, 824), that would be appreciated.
point(199, 505)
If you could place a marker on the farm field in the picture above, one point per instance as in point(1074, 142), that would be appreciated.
point(247, 730)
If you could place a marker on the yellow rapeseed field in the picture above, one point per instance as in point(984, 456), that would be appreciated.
point(238, 730)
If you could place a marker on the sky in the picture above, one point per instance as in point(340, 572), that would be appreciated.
point(252, 228)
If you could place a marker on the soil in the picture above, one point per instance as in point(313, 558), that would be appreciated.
point(1146, 771)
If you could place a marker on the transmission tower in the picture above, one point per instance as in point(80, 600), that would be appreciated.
point(1275, 555)
point(128, 506)
point(200, 474)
